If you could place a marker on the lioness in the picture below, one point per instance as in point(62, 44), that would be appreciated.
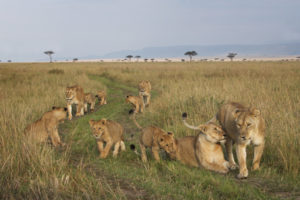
point(89, 98)
point(204, 149)
point(145, 92)
point(46, 126)
point(101, 95)
point(154, 138)
point(243, 125)
point(137, 102)
point(75, 95)
point(109, 132)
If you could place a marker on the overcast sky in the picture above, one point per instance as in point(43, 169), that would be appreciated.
point(78, 28)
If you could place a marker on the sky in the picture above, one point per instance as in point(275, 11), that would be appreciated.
point(81, 28)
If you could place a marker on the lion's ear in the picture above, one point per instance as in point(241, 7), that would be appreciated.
point(103, 121)
point(91, 122)
point(236, 113)
point(203, 128)
point(171, 134)
point(255, 112)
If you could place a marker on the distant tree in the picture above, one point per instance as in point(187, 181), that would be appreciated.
point(49, 53)
point(146, 60)
point(231, 55)
point(244, 59)
point(182, 60)
point(0, 60)
point(9, 61)
point(137, 58)
point(216, 58)
point(152, 59)
point(298, 57)
point(190, 54)
point(75, 59)
point(129, 57)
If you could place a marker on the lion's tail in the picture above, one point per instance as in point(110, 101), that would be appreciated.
point(184, 116)
point(131, 112)
point(132, 147)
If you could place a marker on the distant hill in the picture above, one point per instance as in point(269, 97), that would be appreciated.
point(221, 51)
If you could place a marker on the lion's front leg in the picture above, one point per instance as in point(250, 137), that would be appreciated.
point(80, 109)
point(228, 144)
point(69, 106)
point(148, 100)
point(106, 150)
point(258, 151)
point(155, 151)
point(242, 155)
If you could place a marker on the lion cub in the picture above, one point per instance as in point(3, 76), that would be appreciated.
point(75, 95)
point(137, 102)
point(204, 149)
point(154, 138)
point(109, 132)
point(89, 98)
point(145, 92)
point(101, 95)
point(46, 126)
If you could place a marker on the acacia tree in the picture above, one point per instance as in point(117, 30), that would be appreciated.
point(190, 54)
point(231, 56)
point(137, 58)
point(49, 53)
point(129, 57)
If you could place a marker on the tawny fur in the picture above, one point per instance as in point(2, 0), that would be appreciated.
point(243, 125)
point(202, 150)
point(47, 127)
point(101, 95)
point(90, 99)
point(145, 92)
point(156, 139)
point(137, 102)
point(110, 133)
point(75, 95)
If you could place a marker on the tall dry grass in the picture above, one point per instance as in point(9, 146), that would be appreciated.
point(34, 171)
point(200, 89)
point(29, 90)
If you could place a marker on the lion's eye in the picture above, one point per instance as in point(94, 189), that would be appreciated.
point(99, 128)
point(249, 124)
point(216, 129)
point(161, 139)
point(238, 125)
point(166, 145)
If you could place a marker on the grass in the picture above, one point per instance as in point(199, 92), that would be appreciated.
point(28, 90)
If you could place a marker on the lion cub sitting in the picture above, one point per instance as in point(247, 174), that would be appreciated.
point(101, 95)
point(46, 126)
point(89, 98)
point(154, 138)
point(109, 132)
point(137, 102)
point(203, 149)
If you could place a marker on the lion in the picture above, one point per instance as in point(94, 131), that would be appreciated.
point(101, 95)
point(145, 92)
point(137, 102)
point(243, 125)
point(154, 138)
point(46, 126)
point(109, 132)
point(204, 149)
point(75, 95)
point(89, 98)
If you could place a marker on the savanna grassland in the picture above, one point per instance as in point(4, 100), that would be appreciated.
point(75, 171)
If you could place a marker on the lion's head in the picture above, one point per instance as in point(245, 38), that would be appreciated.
point(98, 127)
point(144, 86)
point(213, 133)
point(167, 142)
point(245, 122)
point(70, 92)
point(60, 113)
